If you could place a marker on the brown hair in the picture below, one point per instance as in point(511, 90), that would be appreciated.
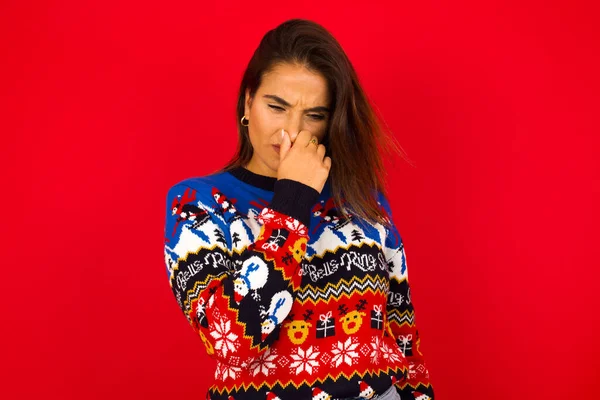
point(354, 138)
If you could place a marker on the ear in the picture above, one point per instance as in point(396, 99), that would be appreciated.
point(341, 319)
point(309, 324)
point(287, 324)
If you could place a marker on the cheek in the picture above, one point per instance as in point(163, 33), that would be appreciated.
point(263, 120)
point(322, 134)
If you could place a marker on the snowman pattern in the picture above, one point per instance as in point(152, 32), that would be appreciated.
point(281, 305)
point(252, 276)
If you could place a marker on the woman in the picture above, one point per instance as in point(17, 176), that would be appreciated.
point(282, 260)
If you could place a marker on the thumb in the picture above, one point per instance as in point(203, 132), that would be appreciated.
point(286, 144)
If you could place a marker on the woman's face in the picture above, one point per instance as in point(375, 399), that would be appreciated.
point(289, 97)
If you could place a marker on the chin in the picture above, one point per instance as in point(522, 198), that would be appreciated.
point(274, 166)
point(273, 163)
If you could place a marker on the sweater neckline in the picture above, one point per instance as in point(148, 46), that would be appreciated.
point(260, 181)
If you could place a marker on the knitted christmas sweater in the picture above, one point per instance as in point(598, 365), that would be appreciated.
point(292, 299)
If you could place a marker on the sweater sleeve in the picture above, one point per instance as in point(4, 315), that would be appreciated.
point(235, 290)
point(401, 315)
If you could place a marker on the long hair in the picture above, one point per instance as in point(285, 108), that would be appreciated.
point(354, 139)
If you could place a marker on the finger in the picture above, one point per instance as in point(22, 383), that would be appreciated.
point(286, 143)
point(327, 162)
point(303, 138)
point(321, 150)
point(313, 143)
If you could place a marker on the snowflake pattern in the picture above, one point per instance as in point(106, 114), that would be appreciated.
point(246, 363)
point(225, 340)
point(375, 350)
point(265, 363)
point(305, 360)
point(230, 371)
point(344, 352)
point(223, 371)
point(412, 374)
point(389, 353)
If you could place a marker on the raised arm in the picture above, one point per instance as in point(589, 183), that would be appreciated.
point(235, 290)
point(401, 315)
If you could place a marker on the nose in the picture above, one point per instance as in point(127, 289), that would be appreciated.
point(293, 135)
point(294, 126)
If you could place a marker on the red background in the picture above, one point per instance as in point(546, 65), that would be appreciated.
point(105, 105)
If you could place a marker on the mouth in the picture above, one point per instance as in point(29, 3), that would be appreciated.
point(276, 147)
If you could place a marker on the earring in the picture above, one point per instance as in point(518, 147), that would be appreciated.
point(247, 121)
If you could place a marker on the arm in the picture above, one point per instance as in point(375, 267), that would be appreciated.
point(401, 315)
point(235, 290)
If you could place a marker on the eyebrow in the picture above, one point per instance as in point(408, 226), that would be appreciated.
point(285, 103)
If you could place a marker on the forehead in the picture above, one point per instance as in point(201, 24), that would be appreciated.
point(295, 84)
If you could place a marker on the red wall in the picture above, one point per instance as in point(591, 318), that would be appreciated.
point(106, 105)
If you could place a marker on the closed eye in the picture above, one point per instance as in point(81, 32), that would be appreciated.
point(316, 117)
